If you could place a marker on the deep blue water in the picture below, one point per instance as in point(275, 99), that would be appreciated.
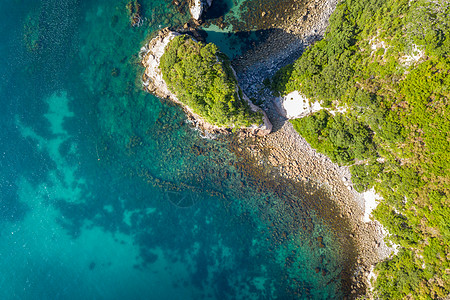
point(107, 193)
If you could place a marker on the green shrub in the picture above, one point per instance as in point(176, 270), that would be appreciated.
point(396, 127)
point(340, 138)
point(202, 79)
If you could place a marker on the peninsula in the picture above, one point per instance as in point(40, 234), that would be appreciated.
point(371, 97)
point(382, 69)
point(200, 78)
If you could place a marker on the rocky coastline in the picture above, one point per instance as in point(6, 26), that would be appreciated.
point(284, 150)
point(154, 83)
point(287, 152)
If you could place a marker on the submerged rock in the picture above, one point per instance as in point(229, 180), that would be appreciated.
point(134, 13)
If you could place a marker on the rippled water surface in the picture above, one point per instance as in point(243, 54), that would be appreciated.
point(108, 193)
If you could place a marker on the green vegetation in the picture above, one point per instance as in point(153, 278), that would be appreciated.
point(395, 133)
point(339, 138)
point(202, 79)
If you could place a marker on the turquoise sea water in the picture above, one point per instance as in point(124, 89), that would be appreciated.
point(108, 193)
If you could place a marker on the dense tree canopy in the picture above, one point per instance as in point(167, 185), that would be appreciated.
point(388, 62)
point(202, 78)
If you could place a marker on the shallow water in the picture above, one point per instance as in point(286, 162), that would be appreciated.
point(108, 193)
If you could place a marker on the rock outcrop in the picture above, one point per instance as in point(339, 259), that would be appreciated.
point(198, 7)
point(154, 83)
point(150, 57)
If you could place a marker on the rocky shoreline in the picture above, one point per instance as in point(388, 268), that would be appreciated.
point(284, 150)
point(154, 83)
point(290, 154)
point(295, 160)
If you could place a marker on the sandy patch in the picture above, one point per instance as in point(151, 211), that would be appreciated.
point(371, 199)
point(295, 105)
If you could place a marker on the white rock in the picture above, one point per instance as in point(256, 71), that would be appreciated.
point(414, 55)
point(370, 203)
point(153, 57)
point(296, 105)
point(197, 9)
